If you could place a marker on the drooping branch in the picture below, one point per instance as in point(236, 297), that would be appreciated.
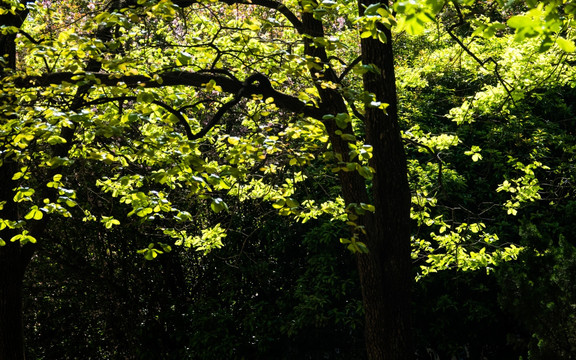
point(270, 4)
point(216, 118)
point(178, 113)
point(355, 111)
point(256, 84)
point(196, 104)
point(165, 106)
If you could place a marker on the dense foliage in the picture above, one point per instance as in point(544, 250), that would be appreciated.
point(185, 171)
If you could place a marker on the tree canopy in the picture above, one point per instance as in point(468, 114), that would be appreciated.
point(429, 136)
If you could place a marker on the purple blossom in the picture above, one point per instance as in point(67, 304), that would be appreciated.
point(341, 21)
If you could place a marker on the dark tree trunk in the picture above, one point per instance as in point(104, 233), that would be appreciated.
point(13, 261)
point(386, 271)
point(13, 257)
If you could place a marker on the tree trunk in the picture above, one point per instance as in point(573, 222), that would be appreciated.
point(386, 271)
point(13, 260)
point(13, 256)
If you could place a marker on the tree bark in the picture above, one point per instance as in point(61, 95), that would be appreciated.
point(13, 256)
point(11, 329)
point(13, 261)
point(386, 271)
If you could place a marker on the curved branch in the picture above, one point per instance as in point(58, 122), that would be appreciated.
point(248, 88)
point(178, 78)
point(255, 84)
point(215, 119)
point(196, 104)
point(29, 37)
point(349, 68)
point(355, 111)
point(167, 107)
point(178, 115)
point(270, 4)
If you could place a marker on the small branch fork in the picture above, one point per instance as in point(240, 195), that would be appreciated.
point(170, 109)
point(482, 63)
point(278, 6)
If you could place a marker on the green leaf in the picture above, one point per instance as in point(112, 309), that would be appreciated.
point(348, 137)
point(165, 247)
point(366, 34)
point(54, 140)
point(24, 238)
point(368, 207)
point(144, 211)
point(291, 203)
point(566, 45)
point(361, 247)
point(150, 254)
point(24, 194)
point(34, 213)
point(519, 21)
point(342, 120)
point(22, 173)
point(365, 172)
point(145, 97)
point(183, 58)
point(218, 205)
point(233, 140)
point(279, 204)
point(372, 9)
point(109, 221)
point(382, 37)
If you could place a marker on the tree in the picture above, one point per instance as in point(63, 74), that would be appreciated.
point(519, 133)
point(13, 257)
point(80, 80)
point(277, 289)
point(191, 100)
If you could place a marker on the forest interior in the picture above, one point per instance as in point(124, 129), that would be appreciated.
point(287, 179)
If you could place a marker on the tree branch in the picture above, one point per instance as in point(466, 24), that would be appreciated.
point(216, 118)
point(256, 84)
point(482, 63)
point(270, 4)
point(177, 78)
point(349, 68)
